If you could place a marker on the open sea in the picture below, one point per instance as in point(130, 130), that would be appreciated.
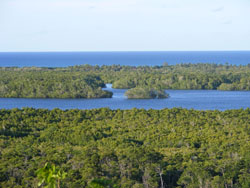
point(190, 99)
point(64, 59)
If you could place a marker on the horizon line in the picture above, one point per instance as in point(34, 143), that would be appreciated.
point(125, 51)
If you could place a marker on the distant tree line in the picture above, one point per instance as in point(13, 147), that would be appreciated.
point(180, 76)
point(86, 81)
point(124, 148)
point(45, 83)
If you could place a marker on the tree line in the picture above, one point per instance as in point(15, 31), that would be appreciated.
point(86, 81)
point(46, 83)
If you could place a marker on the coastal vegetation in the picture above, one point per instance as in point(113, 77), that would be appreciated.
point(180, 76)
point(87, 81)
point(145, 93)
point(124, 148)
point(46, 83)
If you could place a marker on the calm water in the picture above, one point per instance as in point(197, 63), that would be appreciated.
point(196, 99)
point(64, 59)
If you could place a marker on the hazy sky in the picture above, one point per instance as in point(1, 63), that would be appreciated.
point(124, 25)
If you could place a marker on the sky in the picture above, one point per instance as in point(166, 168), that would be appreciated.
point(124, 25)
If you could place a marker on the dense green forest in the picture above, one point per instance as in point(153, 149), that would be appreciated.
point(86, 81)
point(50, 83)
point(126, 148)
point(180, 76)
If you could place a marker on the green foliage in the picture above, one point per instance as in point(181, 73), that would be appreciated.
point(47, 83)
point(180, 76)
point(87, 81)
point(124, 148)
point(145, 93)
point(100, 183)
point(50, 176)
point(228, 87)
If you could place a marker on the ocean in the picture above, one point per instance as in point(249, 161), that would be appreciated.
point(65, 59)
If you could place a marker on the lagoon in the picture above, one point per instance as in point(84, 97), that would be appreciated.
point(190, 99)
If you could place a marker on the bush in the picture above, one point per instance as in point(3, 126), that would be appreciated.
point(146, 93)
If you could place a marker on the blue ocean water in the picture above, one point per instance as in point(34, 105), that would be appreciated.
point(190, 99)
point(64, 59)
